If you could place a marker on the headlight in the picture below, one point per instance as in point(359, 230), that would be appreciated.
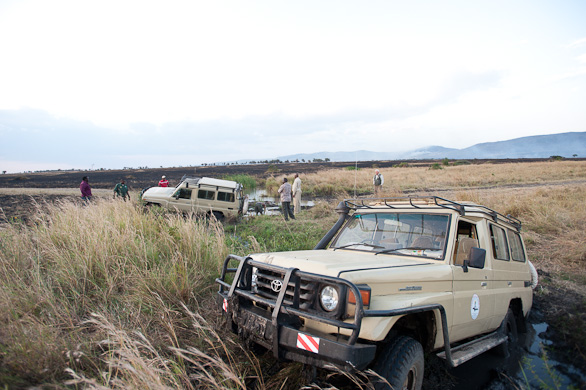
point(254, 279)
point(329, 298)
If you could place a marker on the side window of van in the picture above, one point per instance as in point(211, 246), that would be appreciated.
point(500, 249)
point(517, 252)
point(206, 194)
point(226, 196)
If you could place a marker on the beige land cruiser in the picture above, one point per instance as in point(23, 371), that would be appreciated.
point(392, 279)
point(201, 195)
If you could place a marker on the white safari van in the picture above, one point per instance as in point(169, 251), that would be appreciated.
point(219, 197)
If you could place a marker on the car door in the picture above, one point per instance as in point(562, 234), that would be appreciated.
point(206, 197)
point(473, 297)
point(182, 199)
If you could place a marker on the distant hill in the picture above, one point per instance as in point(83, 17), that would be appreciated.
point(537, 146)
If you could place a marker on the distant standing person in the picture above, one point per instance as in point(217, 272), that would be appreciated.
point(86, 189)
point(121, 189)
point(296, 194)
point(378, 180)
point(285, 191)
point(164, 182)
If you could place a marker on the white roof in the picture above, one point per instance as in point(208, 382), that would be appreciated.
point(214, 182)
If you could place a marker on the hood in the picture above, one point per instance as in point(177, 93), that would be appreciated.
point(158, 193)
point(338, 262)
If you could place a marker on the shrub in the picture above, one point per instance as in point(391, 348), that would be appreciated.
point(246, 180)
point(402, 165)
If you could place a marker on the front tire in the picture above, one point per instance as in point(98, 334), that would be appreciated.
point(401, 363)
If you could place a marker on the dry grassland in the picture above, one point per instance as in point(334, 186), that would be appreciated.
point(106, 296)
point(403, 180)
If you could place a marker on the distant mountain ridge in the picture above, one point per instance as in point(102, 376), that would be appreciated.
point(537, 146)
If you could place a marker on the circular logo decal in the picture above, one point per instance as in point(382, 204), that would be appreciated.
point(276, 285)
point(474, 306)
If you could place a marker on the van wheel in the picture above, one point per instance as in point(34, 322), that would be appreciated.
point(218, 216)
point(401, 365)
point(509, 328)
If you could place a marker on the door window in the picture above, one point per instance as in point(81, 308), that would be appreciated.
point(500, 249)
point(206, 194)
point(183, 193)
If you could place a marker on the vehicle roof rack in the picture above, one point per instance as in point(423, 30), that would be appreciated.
point(431, 202)
point(192, 179)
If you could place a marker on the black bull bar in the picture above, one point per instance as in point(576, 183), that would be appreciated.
point(282, 338)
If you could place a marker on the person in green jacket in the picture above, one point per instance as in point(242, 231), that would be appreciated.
point(121, 189)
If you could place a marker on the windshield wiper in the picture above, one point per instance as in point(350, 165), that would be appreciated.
point(414, 248)
point(359, 243)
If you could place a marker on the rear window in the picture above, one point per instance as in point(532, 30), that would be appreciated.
point(517, 252)
point(226, 196)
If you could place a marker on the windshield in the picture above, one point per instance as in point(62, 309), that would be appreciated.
point(413, 234)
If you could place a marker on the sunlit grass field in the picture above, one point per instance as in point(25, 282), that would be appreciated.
point(109, 295)
point(399, 180)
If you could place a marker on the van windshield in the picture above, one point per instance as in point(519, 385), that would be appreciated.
point(409, 234)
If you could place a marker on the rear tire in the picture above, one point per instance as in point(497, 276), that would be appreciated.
point(508, 328)
point(218, 216)
point(401, 363)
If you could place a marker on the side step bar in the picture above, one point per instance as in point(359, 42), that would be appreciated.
point(469, 350)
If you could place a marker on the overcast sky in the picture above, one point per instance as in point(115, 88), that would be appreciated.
point(112, 84)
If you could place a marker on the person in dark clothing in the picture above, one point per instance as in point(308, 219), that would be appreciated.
point(86, 189)
point(285, 191)
point(121, 189)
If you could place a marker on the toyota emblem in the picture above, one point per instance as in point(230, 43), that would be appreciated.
point(276, 285)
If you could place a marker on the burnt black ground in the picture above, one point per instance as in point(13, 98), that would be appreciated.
point(140, 178)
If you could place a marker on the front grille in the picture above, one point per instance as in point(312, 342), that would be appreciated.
point(303, 297)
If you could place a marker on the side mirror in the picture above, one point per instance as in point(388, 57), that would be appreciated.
point(477, 257)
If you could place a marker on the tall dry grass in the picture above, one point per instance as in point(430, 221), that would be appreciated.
point(409, 179)
point(86, 289)
point(109, 296)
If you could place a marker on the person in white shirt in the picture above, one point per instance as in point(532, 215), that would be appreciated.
point(296, 194)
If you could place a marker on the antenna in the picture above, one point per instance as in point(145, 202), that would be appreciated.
point(355, 172)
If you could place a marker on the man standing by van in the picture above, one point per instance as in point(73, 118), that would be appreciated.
point(285, 191)
point(164, 182)
point(296, 194)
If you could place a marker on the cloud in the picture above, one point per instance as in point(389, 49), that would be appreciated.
point(577, 43)
point(37, 136)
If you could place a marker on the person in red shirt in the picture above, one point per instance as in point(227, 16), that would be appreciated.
point(164, 182)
